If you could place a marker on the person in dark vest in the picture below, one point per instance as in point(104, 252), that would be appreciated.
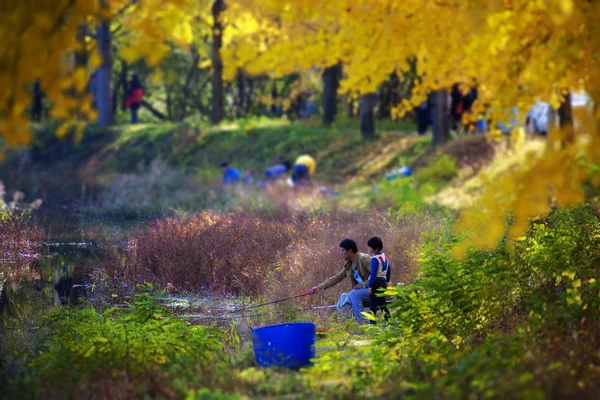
point(423, 117)
point(379, 277)
point(135, 94)
point(457, 105)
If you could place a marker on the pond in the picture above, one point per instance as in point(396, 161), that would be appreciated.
point(63, 272)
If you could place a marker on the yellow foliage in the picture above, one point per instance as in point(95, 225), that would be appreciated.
point(39, 41)
point(516, 51)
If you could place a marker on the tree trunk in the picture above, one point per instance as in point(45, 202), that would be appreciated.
point(81, 55)
point(169, 103)
point(275, 108)
point(188, 85)
point(103, 75)
point(249, 97)
point(388, 97)
point(383, 111)
point(565, 118)
point(218, 112)
point(565, 112)
point(348, 106)
point(441, 127)
point(331, 82)
point(124, 84)
point(366, 109)
point(115, 97)
point(4, 304)
point(240, 101)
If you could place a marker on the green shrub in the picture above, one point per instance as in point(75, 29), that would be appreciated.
point(398, 194)
point(143, 348)
point(402, 198)
point(443, 168)
point(501, 323)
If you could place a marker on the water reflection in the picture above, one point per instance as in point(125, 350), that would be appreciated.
point(57, 278)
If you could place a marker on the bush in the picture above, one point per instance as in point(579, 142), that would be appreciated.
point(125, 353)
point(443, 168)
point(278, 254)
point(226, 253)
point(402, 198)
point(20, 239)
point(512, 322)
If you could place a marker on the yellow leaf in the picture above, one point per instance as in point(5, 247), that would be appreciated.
point(62, 131)
point(156, 77)
point(95, 60)
point(205, 64)
point(129, 54)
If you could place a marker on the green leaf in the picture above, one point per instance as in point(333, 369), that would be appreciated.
point(90, 351)
point(525, 378)
point(368, 316)
point(569, 274)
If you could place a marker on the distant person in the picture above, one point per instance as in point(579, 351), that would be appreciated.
point(276, 110)
point(539, 117)
point(423, 117)
point(230, 175)
point(456, 105)
point(461, 103)
point(135, 93)
point(507, 127)
point(308, 109)
point(468, 102)
point(247, 179)
point(379, 276)
point(276, 172)
point(37, 107)
point(304, 168)
point(357, 267)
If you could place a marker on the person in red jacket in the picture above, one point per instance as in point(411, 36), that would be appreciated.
point(135, 93)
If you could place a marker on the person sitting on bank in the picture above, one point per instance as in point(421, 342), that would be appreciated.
point(356, 267)
point(379, 276)
point(230, 175)
point(304, 168)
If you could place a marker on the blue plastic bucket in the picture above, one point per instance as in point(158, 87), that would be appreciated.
point(286, 345)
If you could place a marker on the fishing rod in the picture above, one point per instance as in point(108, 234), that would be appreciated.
point(229, 318)
point(270, 302)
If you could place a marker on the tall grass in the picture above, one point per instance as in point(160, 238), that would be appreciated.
point(274, 254)
point(19, 237)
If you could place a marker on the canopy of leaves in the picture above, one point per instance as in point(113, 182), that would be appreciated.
point(515, 51)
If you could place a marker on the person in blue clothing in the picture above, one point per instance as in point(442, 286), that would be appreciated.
point(275, 172)
point(379, 277)
point(423, 117)
point(230, 175)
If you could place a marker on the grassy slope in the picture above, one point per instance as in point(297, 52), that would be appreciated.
point(340, 154)
point(60, 169)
